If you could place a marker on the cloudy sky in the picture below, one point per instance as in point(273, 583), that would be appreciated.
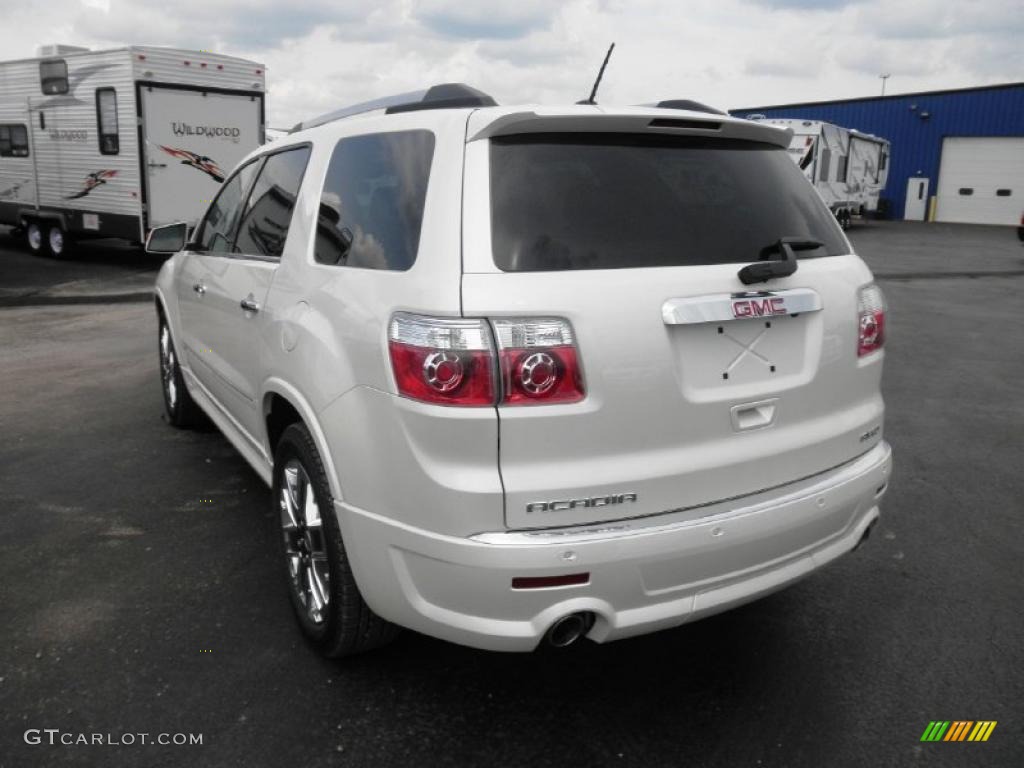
point(730, 53)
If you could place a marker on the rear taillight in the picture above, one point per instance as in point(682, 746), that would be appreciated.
point(454, 361)
point(539, 362)
point(443, 361)
point(871, 320)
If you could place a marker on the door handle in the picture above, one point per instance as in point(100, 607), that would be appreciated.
point(199, 288)
point(249, 304)
point(157, 165)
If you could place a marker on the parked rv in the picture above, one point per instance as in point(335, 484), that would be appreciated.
point(847, 167)
point(113, 143)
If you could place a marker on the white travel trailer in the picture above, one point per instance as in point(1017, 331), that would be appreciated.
point(847, 167)
point(113, 143)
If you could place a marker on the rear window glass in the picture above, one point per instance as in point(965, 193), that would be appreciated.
point(371, 209)
point(612, 201)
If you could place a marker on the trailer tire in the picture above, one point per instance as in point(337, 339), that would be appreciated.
point(58, 242)
point(34, 237)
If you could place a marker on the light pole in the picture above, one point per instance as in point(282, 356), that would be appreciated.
point(884, 78)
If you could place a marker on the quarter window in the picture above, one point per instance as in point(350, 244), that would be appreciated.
point(53, 76)
point(268, 214)
point(371, 208)
point(218, 228)
point(13, 141)
point(106, 121)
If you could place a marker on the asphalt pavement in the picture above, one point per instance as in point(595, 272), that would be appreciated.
point(140, 591)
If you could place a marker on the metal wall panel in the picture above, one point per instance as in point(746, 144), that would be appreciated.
point(916, 139)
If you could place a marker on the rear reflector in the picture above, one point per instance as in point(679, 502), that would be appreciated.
point(871, 321)
point(543, 582)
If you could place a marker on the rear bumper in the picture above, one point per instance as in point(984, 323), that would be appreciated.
point(645, 575)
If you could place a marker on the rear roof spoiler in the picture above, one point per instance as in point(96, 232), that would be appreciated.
point(627, 120)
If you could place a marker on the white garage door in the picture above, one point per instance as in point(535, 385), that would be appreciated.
point(981, 180)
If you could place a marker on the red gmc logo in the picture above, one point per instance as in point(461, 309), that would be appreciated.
point(759, 307)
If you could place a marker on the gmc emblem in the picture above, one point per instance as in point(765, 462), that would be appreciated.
point(565, 504)
point(776, 305)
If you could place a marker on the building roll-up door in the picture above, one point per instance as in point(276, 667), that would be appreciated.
point(981, 180)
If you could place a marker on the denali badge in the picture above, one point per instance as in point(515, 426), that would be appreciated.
point(593, 501)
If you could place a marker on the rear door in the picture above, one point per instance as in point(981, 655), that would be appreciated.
point(698, 388)
point(193, 138)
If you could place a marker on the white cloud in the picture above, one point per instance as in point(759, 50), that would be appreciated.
point(321, 54)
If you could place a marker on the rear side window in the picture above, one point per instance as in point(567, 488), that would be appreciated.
point(371, 209)
point(53, 76)
point(13, 140)
point(268, 214)
point(218, 228)
point(612, 201)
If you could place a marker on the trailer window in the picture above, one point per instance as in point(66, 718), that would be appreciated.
point(371, 208)
point(268, 214)
point(106, 121)
point(841, 169)
point(826, 158)
point(13, 140)
point(53, 76)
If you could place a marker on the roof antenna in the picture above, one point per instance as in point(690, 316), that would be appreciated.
point(600, 74)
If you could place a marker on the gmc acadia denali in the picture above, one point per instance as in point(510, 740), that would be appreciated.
point(530, 374)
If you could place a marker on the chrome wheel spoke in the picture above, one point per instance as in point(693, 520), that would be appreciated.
point(302, 528)
point(289, 521)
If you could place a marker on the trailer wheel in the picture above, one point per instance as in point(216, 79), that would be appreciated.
point(34, 237)
point(58, 241)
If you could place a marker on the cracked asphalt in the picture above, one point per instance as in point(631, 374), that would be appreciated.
point(140, 593)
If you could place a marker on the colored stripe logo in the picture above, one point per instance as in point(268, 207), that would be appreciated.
point(958, 730)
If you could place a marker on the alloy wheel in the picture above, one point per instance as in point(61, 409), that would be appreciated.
point(304, 543)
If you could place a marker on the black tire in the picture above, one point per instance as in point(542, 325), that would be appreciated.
point(35, 238)
point(180, 410)
point(345, 625)
point(59, 244)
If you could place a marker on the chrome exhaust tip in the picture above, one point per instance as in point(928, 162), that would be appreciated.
point(568, 629)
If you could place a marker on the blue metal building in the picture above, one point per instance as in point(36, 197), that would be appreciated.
point(983, 180)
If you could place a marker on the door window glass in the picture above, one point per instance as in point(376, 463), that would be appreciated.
point(268, 214)
point(217, 231)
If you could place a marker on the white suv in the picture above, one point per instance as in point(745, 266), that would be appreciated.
point(523, 375)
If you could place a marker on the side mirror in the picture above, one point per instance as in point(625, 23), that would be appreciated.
point(167, 239)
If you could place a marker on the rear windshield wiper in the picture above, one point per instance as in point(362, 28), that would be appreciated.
point(763, 271)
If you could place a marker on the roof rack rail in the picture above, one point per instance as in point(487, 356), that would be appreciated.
point(687, 104)
point(443, 96)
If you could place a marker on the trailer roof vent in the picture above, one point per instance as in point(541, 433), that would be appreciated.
point(45, 51)
point(444, 96)
point(688, 104)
